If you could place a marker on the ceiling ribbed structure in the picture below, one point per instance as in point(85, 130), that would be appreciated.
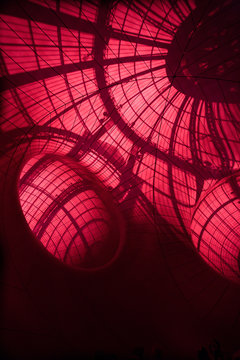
point(120, 157)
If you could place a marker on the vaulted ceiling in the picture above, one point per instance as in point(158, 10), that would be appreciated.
point(120, 175)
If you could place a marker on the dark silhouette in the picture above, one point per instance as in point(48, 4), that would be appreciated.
point(215, 350)
point(203, 354)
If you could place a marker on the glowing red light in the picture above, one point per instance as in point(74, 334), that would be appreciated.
point(215, 227)
point(68, 212)
point(139, 95)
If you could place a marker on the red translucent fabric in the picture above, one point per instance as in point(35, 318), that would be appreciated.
point(216, 226)
point(68, 212)
point(136, 92)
